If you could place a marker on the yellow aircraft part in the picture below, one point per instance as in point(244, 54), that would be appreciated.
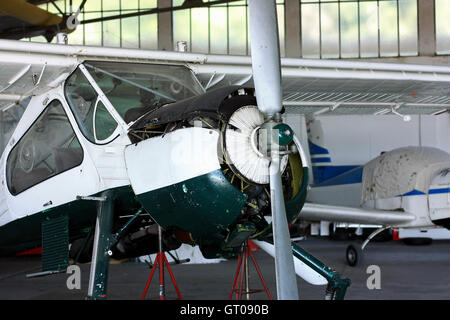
point(27, 12)
point(297, 173)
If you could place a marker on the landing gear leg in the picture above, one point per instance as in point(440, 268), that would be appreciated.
point(102, 243)
point(337, 287)
point(354, 253)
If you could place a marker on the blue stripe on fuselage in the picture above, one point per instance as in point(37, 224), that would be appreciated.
point(412, 193)
point(440, 190)
point(353, 174)
point(337, 175)
point(431, 191)
point(315, 149)
point(320, 160)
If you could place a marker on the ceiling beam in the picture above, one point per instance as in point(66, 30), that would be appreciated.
point(27, 12)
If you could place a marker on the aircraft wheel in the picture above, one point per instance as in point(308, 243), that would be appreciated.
point(354, 255)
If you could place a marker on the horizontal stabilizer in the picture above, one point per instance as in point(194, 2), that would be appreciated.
point(317, 212)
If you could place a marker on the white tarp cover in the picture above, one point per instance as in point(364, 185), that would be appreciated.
point(402, 170)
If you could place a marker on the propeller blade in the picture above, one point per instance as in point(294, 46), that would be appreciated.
point(267, 79)
point(265, 52)
point(284, 261)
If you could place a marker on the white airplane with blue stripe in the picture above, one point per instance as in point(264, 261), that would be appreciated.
point(407, 187)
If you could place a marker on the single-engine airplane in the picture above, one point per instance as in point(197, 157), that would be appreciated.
point(128, 139)
point(111, 134)
point(413, 180)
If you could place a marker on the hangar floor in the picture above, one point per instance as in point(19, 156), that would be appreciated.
point(407, 272)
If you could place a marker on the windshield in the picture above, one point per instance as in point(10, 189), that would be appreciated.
point(133, 88)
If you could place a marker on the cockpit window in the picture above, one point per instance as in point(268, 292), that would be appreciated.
point(48, 148)
point(94, 120)
point(134, 88)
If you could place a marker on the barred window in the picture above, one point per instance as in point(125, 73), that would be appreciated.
point(219, 29)
point(133, 32)
point(358, 29)
point(442, 9)
point(328, 28)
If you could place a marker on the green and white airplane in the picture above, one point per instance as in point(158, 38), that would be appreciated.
point(116, 142)
point(121, 141)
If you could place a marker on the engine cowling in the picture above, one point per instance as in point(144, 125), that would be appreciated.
point(220, 197)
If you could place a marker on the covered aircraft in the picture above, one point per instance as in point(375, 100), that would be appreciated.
point(411, 180)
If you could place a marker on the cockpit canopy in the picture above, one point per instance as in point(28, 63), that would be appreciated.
point(99, 92)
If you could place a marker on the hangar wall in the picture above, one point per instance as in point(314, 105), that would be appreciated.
point(370, 135)
point(358, 29)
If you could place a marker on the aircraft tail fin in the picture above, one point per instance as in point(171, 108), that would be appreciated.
point(321, 161)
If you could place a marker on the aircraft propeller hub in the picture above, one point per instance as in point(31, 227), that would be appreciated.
point(283, 134)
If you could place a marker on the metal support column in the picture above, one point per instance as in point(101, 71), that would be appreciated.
point(238, 285)
point(426, 28)
point(165, 26)
point(160, 261)
point(292, 26)
point(102, 243)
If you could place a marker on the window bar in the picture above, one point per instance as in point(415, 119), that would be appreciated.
point(120, 24)
point(359, 31)
point(246, 27)
point(209, 29)
point(339, 29)
point(101, 23)
point(139, 25)
point(190, 30)
point(379, 28)
point(300, 26)
point(320, 30)
point(228, 28)
point(84, 29)
point(398, 29)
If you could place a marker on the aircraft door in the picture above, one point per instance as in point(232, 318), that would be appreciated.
point(439, 199)
point(48, 165)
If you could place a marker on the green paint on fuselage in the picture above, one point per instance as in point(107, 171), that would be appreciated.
point(25, 233)
point(204, 206)
point(208, 206)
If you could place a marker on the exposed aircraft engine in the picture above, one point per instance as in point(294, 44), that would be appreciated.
point(242, 141)
point(214, 168)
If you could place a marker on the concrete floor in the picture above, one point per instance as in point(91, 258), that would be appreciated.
point(407, 272)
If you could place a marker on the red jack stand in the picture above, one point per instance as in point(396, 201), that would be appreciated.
point(242, 269)
point(160, 260)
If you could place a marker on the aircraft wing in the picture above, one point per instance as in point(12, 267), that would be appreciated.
point(343, 87)
point(23, 74)
point(309, 86)
point(319, 212)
